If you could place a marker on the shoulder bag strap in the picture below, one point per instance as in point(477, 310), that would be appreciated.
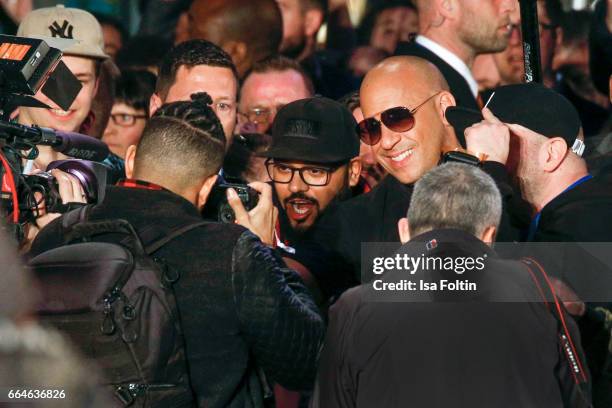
point(156, 245)
point(577, 369)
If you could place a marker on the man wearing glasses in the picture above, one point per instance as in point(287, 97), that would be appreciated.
point(313, 162)
point(404, 100)
point(271, 84)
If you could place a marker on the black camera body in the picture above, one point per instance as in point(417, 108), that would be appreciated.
point(218, 209)
point(90, 175)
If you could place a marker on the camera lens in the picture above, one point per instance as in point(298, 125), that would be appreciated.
point(226, 214)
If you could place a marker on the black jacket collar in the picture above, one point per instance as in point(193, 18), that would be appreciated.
point(447, 242)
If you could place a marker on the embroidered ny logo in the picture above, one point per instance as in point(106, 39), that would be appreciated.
point(63, 31)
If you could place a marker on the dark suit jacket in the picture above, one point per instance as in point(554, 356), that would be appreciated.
point(458, 85)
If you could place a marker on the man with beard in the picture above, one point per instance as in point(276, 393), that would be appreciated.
point(453, 33)
point(313, 162)
point(510, 64)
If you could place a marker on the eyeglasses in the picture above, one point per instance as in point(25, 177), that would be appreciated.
point(259, 116)
point(398, 119)
point(312, 175)
point(126, 119)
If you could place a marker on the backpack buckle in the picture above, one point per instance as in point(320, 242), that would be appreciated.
point(124, 395)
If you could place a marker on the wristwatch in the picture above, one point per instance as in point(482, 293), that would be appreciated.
point(458, 156)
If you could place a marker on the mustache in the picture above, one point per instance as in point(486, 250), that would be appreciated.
point(301, 196)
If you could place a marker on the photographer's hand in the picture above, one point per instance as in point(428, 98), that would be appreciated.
point(261, 220)
point(491, 137)
point(70, 191)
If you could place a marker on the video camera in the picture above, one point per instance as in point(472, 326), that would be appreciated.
point(28, 65)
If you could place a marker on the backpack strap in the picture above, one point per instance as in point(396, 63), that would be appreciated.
point(543, 284)
point(156, 245)
point(76, 216)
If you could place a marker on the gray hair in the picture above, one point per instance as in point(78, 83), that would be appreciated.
point(455, 195)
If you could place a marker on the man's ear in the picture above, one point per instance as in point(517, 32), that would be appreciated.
point(552, 154)
point(403, 227)
point(451, 140)
point(155, 102)
point(354, 169)
point(313, 19)
point(445, 101)
point(204, 192)
point(448, 9)
point(488, 235)
point(130, 156)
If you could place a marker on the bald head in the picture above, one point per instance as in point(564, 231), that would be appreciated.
point(229, 24)
point(411, 73)
point(412, 88)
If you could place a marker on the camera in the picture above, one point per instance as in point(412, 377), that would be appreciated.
point(218, 209)
point(90, 175)
point(27, 66)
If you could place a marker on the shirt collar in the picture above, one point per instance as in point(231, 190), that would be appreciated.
point(451, 59)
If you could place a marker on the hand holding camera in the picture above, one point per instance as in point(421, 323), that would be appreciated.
point(261, 220)
point(70, 191)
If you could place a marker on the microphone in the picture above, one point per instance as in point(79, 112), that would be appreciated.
point(80, 146)
point(70, 143)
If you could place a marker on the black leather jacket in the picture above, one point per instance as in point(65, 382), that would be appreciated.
point(242, 310)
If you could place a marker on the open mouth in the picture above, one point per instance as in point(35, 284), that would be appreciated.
point(300, 209)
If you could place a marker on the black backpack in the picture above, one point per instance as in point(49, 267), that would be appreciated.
point(115, 302)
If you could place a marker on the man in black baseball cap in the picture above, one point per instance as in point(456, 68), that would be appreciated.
point(536, 133)
point(313, 161)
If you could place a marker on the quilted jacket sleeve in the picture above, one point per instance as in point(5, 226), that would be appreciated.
point(277, 314)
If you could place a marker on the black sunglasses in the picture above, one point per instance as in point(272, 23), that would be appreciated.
point(398, 119)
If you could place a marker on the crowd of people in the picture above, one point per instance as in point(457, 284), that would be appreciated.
point(320, 138)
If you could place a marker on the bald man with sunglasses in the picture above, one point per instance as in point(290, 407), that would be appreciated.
point(404, 100)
